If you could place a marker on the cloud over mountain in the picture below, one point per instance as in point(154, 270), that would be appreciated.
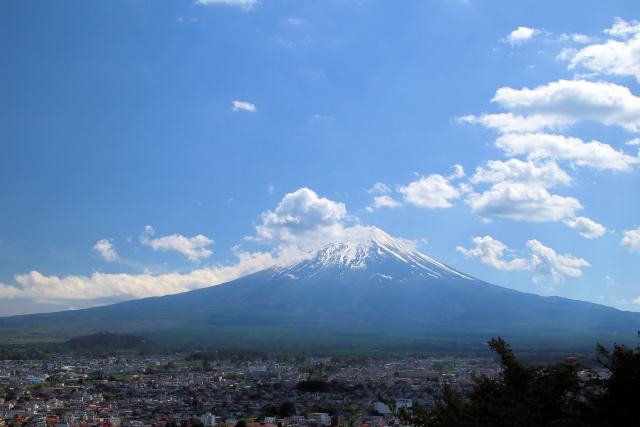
point(304, 219)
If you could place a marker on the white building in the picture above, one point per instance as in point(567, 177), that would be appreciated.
point(320, 417)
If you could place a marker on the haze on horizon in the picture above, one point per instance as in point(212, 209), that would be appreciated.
point(150, 148)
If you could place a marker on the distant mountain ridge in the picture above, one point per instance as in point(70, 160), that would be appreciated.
point(376, 290)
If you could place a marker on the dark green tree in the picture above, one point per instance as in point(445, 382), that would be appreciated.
point(241, 423)
point(616, 403)
point(519, 396)
point(287, 409)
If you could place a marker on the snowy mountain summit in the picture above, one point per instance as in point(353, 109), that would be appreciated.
point(379, 255)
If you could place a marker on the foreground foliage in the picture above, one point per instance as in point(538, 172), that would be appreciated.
point(562, 394)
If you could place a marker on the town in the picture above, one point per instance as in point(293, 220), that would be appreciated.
point(136, 391)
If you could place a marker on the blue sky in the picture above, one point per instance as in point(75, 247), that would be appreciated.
point(155, 147)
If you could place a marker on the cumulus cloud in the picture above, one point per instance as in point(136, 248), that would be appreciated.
point(519, 191)
point(593, 154)
point(543, 261)
point(522, 202)
point(193, 247)
point(614, 57)
point(246, 106)
point(560, 104)
point(99, 286)
point(308, 221)
point(491, 252)
point(522, 34)
point(631, 240)
point(586, 227)
point(245, 4)
point(433, 191)
point(106, 250)
point(623, 29)
point(546, 174)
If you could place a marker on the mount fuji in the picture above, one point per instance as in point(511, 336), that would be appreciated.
point(377, 289)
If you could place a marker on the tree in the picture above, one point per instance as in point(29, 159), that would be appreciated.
point(520, 395)
point(241, 423)
point(617, 402)
point(287, 409)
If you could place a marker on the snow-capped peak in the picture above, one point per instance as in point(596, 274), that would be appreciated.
point(378, 254)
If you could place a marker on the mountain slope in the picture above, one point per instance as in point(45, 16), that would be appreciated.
point(377, 288)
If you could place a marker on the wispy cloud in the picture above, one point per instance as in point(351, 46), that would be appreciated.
point(246, 106)
point(245, 4)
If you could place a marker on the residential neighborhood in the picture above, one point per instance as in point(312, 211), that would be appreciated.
point(136, 391)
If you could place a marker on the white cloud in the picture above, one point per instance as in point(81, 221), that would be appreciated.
point(610, 281)
point(631, 240)
point(433, 191)
point(241, 105)
point(490, 251)
point(543, 261)
point(586, 227)
point(522, 202)
point(322, 117)
point(127, 286)
point(578, 38)
point(519, 191)
point(613, 57)
point(623, 29)
point(635, 141)
point(545, 174)
point(193, 247)
point(560, 104)
point(304, 219)
point(522, 34)
point(459, 172)
point(379, 188)
point(385, 202)
point(245, 4)
point(106, 250)
point(593, 154)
